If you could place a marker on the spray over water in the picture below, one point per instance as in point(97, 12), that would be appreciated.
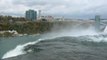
point(77, 29)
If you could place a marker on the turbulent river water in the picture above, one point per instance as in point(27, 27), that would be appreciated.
point(61, 44)
point(84, 47)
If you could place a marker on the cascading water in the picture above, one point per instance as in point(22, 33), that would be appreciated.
point(63, 44)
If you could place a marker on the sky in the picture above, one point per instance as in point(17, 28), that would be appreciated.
point(59, 8)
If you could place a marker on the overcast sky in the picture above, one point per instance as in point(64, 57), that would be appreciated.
point(66, 8)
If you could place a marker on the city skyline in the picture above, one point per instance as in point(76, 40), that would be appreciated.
point(66, 8)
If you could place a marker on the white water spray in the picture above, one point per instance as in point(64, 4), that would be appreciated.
point(74, 32)
point(19, 50)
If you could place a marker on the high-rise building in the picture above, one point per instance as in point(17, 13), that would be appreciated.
point(97, 23)
point(31, 15)
point(39, 14)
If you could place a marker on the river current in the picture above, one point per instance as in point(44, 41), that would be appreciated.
point(84, 47)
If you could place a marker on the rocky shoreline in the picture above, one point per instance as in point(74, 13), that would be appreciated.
point(12, 33)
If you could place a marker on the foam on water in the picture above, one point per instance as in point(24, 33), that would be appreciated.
point(91, 34)
point(18, 50)
point(99, 38)
point(76, 31)
point(105, 30)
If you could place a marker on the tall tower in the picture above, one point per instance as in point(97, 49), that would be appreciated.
point(39, 14)
point(97, 23)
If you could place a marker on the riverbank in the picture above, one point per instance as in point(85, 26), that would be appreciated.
point(12, 33)
point(41, 27)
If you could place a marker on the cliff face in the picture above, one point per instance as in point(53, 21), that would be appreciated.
point(44, 26)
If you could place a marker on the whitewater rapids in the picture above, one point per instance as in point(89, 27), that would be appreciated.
point(77, 47)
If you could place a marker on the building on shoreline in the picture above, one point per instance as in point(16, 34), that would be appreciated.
point(31, 15)
point(39, 14)
point(97, 22)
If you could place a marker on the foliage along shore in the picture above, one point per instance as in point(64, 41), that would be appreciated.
point(37, 27)
point(26, 28)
